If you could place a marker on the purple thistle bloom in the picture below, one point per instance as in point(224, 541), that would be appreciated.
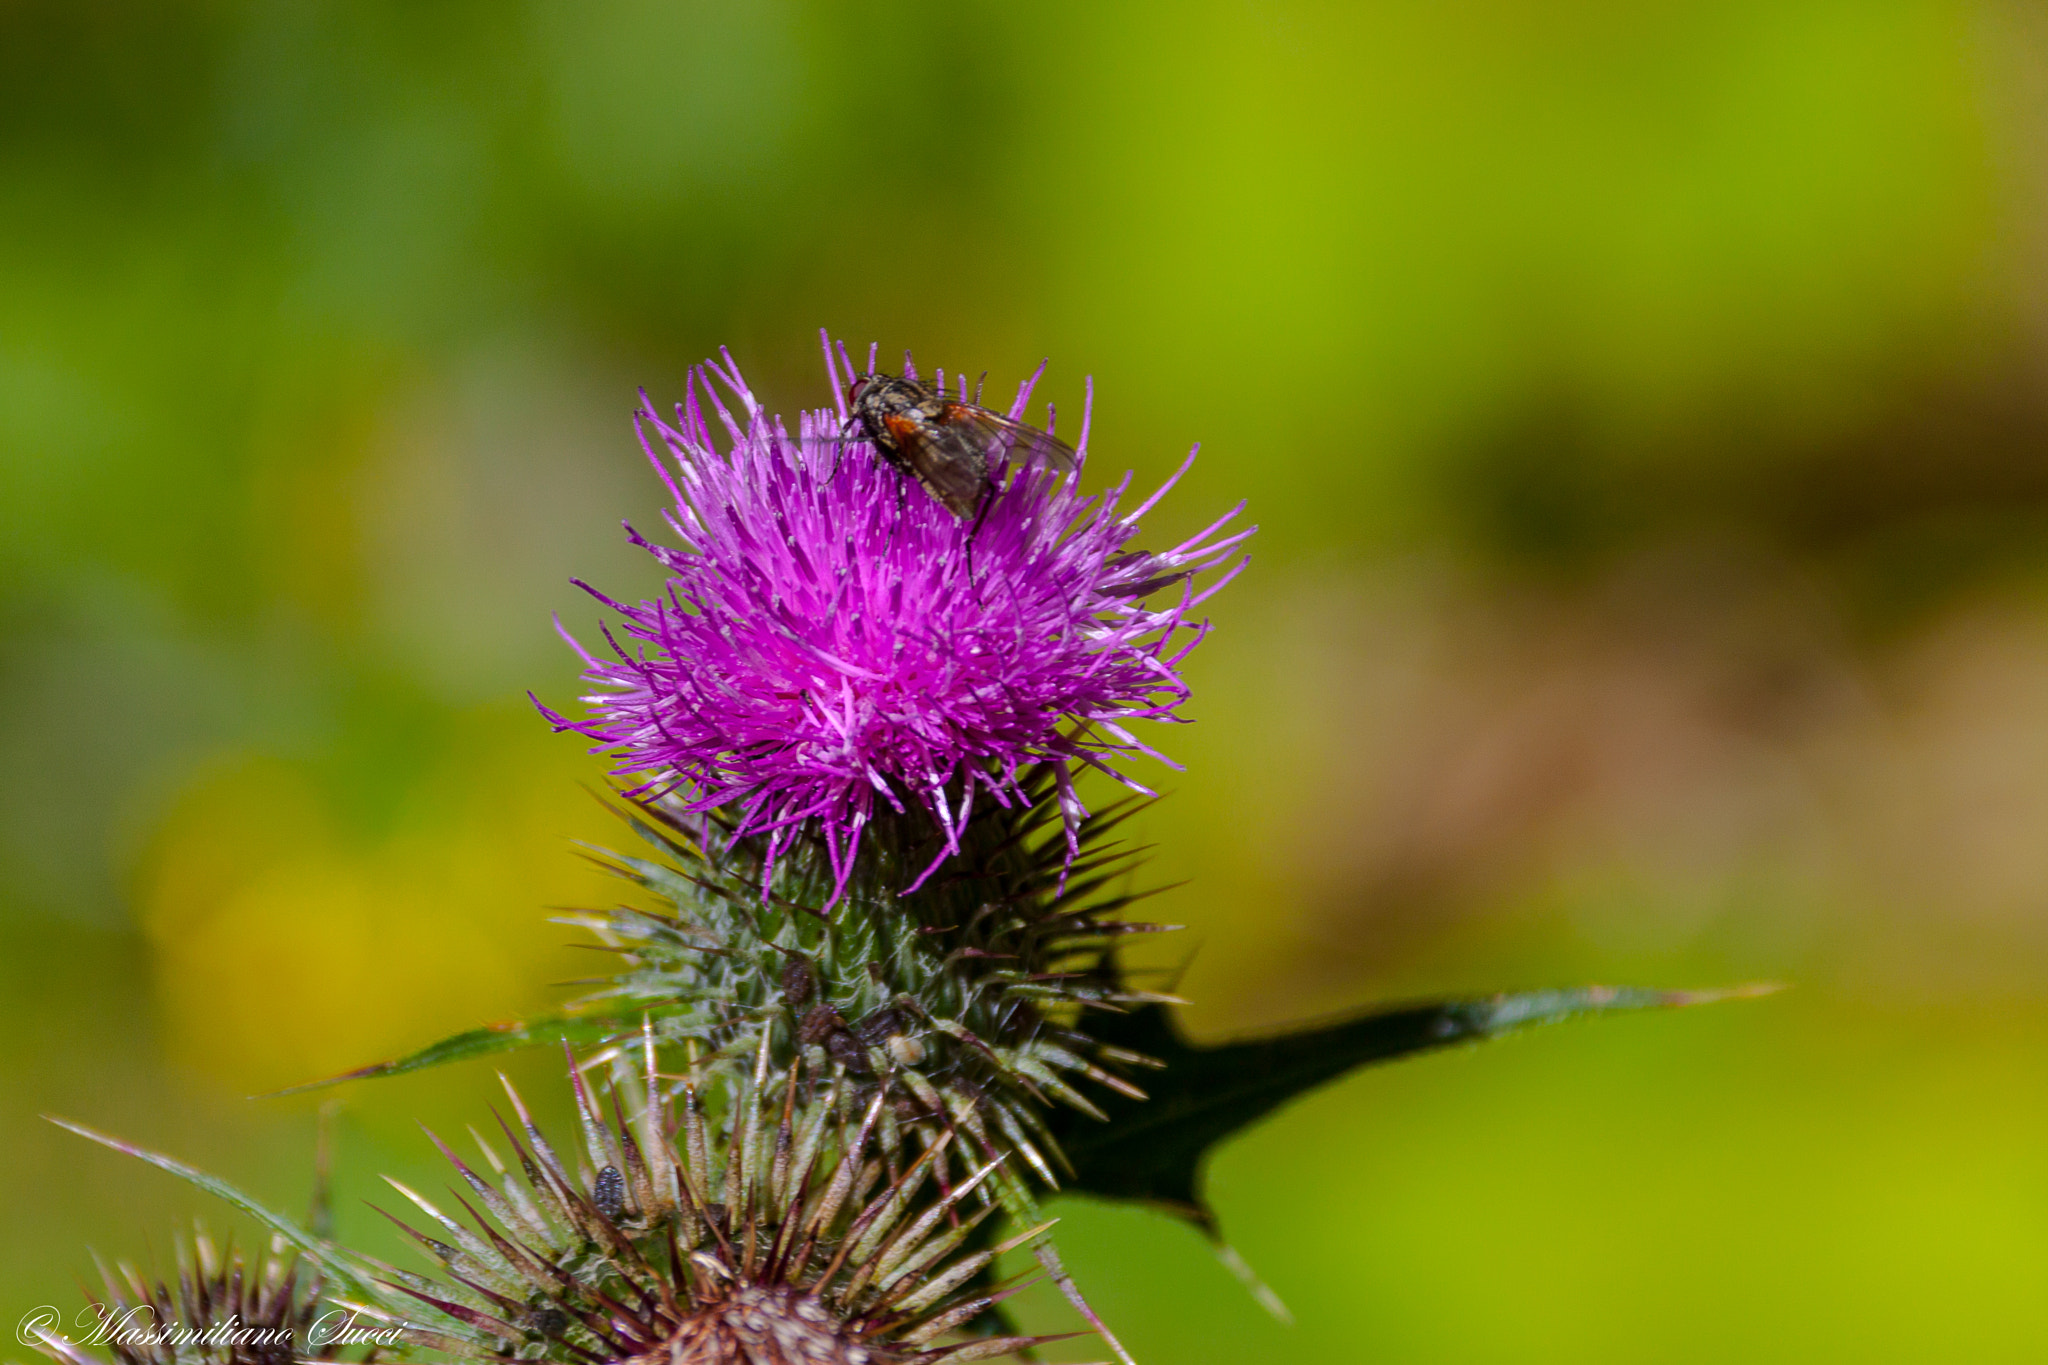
point(835, 644)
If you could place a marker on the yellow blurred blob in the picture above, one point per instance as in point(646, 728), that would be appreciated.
point(289, 948)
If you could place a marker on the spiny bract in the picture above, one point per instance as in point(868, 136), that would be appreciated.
point(967, 1003)
point(806, 1235)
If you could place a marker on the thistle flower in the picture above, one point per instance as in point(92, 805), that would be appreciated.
point(806, 1234)
point(834, 646)
point(223, 1310)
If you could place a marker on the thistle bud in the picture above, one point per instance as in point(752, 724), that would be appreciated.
point(793, 1234)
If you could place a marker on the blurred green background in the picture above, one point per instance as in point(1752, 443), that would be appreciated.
point(1645, 406)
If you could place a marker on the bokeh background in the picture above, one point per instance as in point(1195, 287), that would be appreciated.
point(1645, 406)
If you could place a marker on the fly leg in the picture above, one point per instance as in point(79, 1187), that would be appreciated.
point(846, 434)
point(982, 504)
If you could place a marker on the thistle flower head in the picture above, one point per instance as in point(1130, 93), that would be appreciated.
point(803, 1234)
point(223, 1309)
point(835, 645)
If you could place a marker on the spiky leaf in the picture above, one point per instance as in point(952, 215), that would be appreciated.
point(1154, 1150)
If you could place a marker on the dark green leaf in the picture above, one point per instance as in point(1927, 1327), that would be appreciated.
point(576, 1030)
point(1153, 1150)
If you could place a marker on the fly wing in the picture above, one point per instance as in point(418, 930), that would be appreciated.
point(951, 459)
point(952, 464)
point(1005, 440)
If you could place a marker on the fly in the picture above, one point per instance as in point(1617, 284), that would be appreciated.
point(955, 449)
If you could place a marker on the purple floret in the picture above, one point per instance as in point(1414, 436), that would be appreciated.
point(834, 644)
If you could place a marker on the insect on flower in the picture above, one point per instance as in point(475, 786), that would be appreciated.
point(956, 449)
point(821, 661)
